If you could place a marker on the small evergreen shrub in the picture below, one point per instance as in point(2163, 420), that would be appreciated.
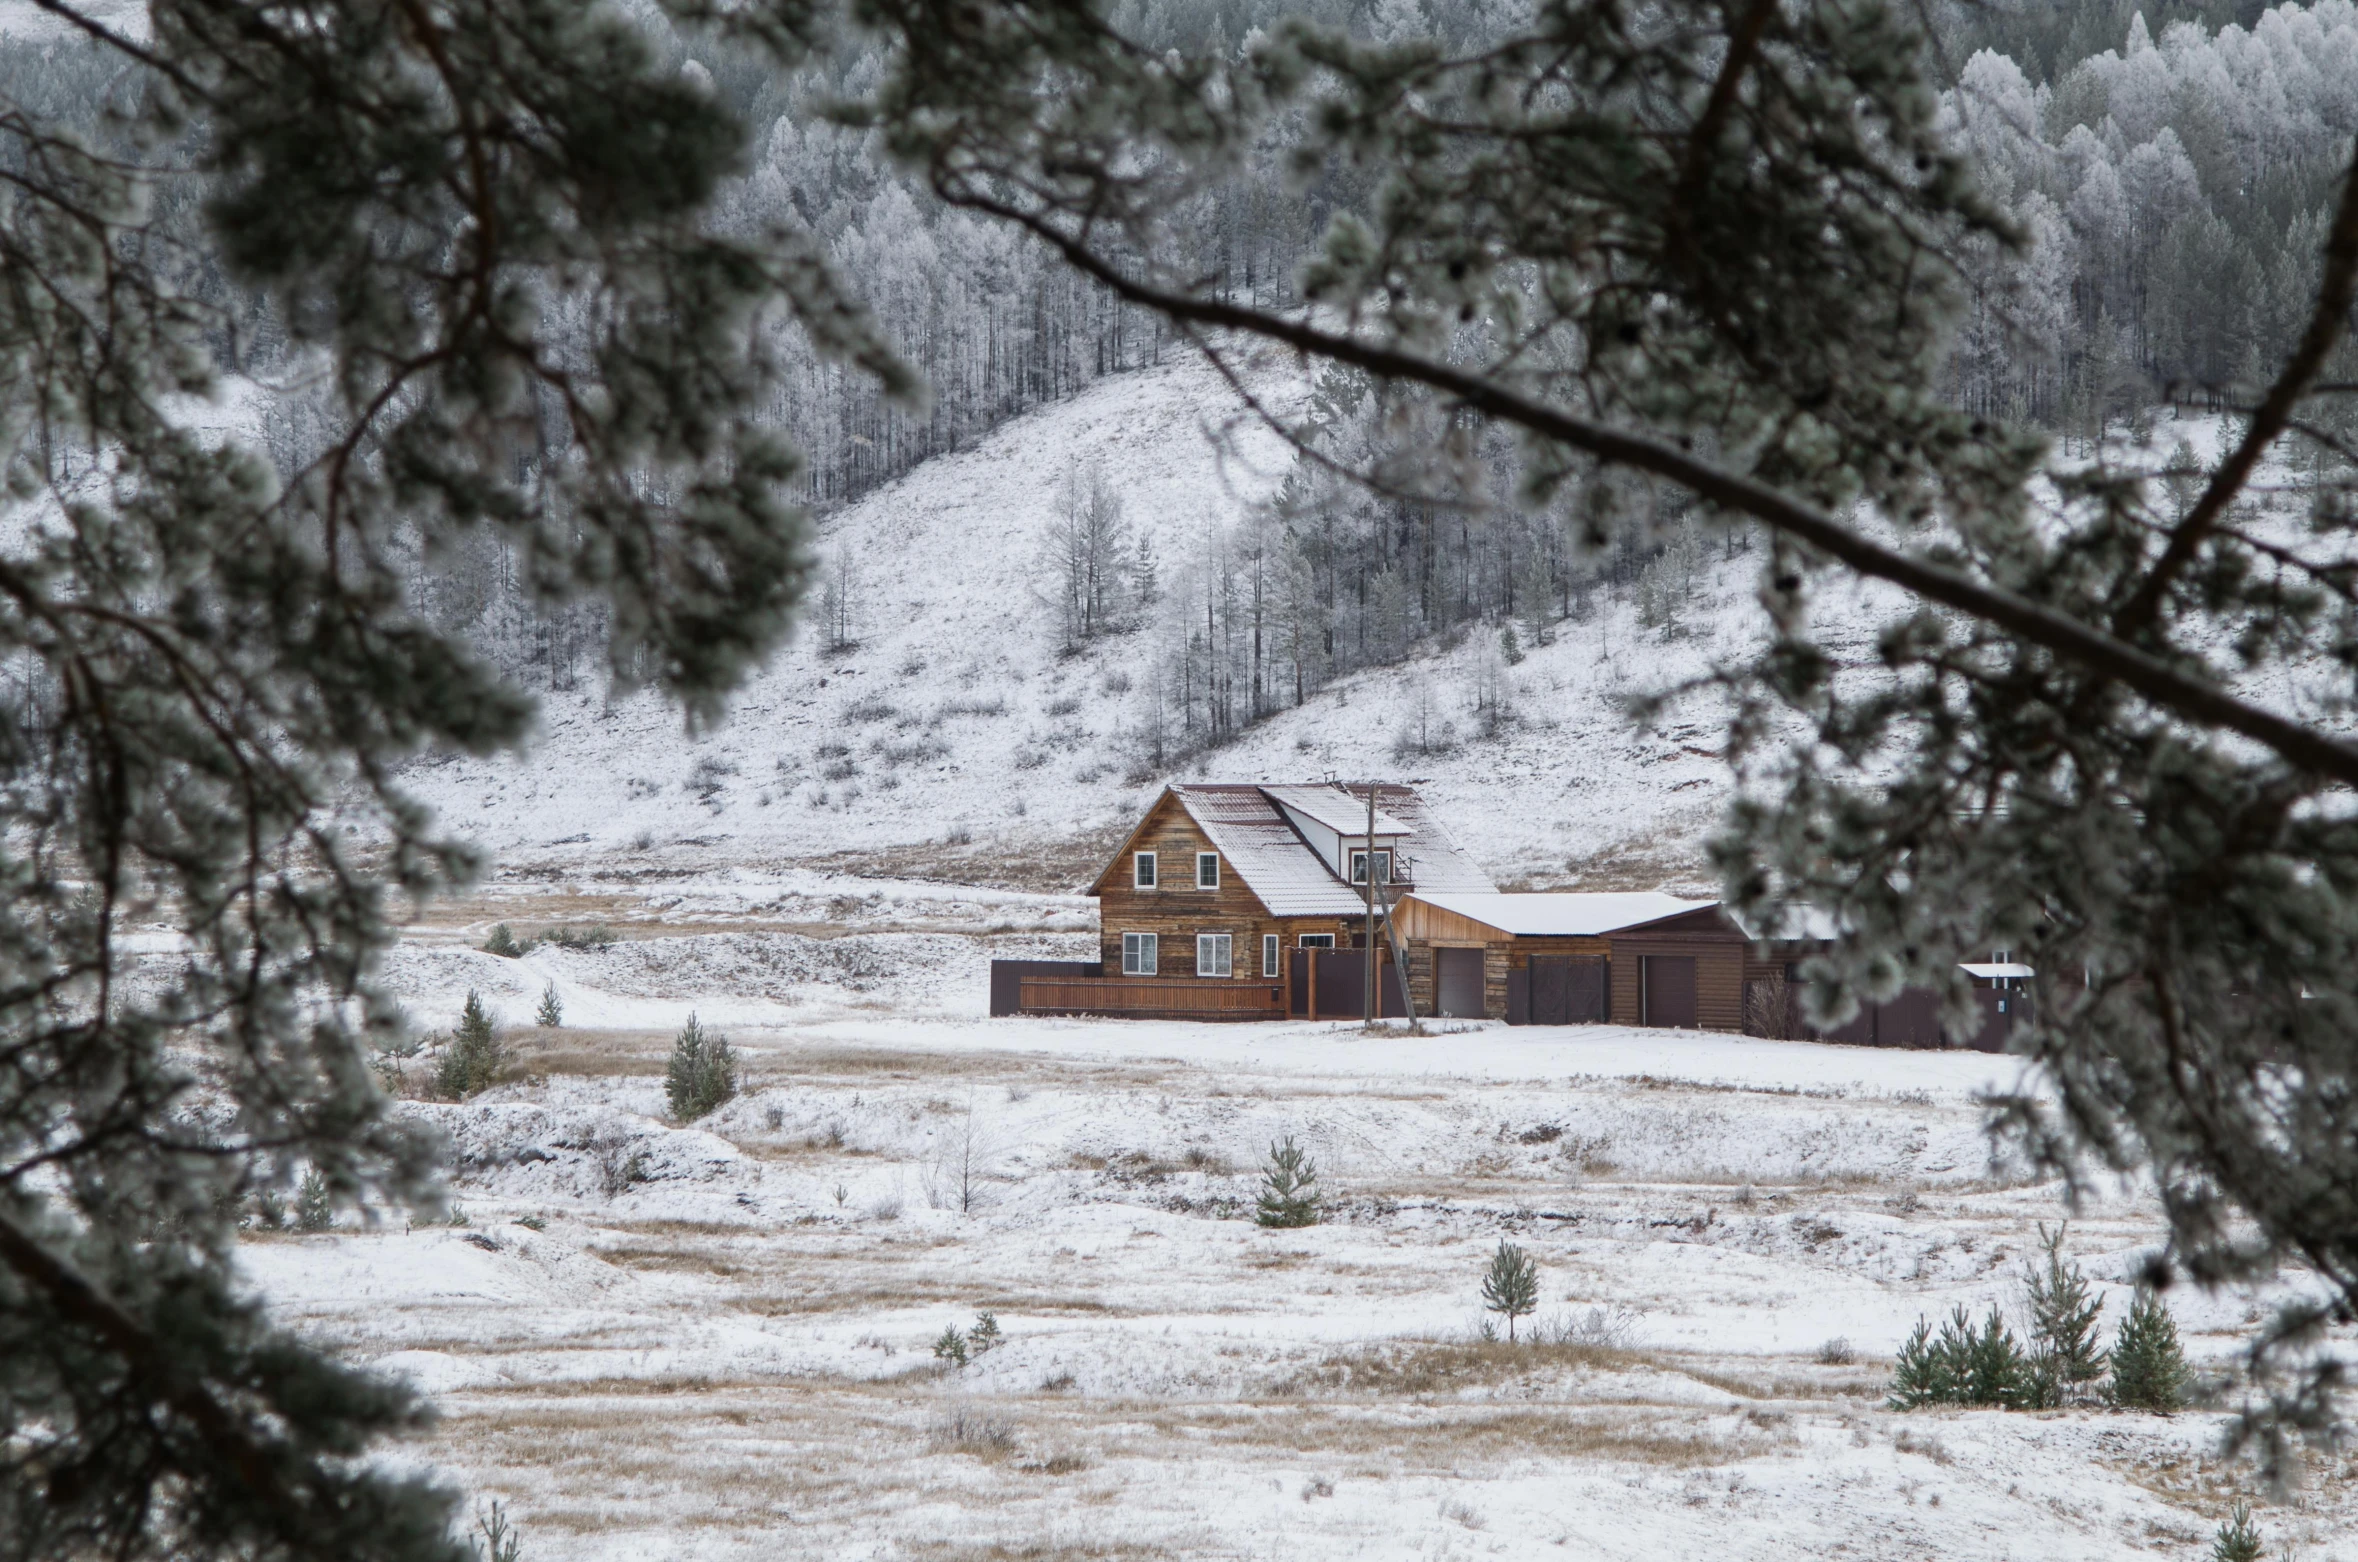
point(1996, 1370)
point(2064, 1356)
point(984, 1337)
point(1926, 1373)
point(2148, 1367)
point(951, 1347)
point(474, 1057)
point(504, 944)
point(1289, 1188)
point(1961, 1365)
point(314, 1211)
point(551, 1013)
point(1511, 1288)
point(2238, 1539)
point(702, 1074)
point(596, 936)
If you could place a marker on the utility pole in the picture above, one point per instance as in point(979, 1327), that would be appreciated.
point(1373, 987)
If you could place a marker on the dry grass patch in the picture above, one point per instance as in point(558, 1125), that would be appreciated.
point(1037, 1551)
point(1418, 1368)
point(1443, 1439)
point(919, 1293)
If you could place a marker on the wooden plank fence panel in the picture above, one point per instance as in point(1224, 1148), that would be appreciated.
point(1179, 998)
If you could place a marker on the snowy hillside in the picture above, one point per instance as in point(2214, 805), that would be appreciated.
point(956, 721)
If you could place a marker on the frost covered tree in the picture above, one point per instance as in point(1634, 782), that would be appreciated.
point(1725, 247)
point(475, 235)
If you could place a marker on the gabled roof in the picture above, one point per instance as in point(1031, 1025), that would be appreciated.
point(1565, 915)
point(1340, 811)
point(1271, 859)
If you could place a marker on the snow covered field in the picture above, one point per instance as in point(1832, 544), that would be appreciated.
point(715, 1341)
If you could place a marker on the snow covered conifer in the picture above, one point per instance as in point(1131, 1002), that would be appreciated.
point(702, 1073)
point(1511, 1288)
point(950, 1347)
point(2148, 1366)
point(502, 943)
point(1289, 1187)
point(551, 1013)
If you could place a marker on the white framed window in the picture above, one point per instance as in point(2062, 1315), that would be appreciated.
point(1212, 957)
point(1315, 941)
point(1138, 954)
point(1207, 870)
point(1144, 870)
point(1383, 866)
point(1269, 956)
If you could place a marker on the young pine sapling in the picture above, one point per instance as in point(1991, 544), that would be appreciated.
point(2064, 1356)
point(1511, 1288)
point(2148, 1367)
point(1289, 1188)
point(702, 1073)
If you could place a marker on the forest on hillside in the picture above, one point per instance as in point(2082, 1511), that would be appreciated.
point(2169, 166)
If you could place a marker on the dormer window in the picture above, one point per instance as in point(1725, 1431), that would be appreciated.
point(1145, 869)
point(1383, 866)
point(1207, 870)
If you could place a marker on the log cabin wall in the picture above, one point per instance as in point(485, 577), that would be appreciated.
point(1175, 911)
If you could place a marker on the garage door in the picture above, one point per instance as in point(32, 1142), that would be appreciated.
point(1670, 991)
point(1460, 983)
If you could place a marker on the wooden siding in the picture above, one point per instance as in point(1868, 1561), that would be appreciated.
point(1719, 976)
point(1175, 911)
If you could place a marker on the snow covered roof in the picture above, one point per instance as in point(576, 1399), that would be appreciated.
point(1343, 812)
point(1561, 915)
point(1249, 830)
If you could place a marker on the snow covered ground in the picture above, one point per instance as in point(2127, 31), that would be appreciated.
point(656, 1340)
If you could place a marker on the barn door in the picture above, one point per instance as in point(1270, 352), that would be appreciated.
point(1459, 974)
point(1586, 997)
point(1669, 991)
point(1551, 990)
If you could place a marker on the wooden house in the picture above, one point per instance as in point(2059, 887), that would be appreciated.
point(1228, 883)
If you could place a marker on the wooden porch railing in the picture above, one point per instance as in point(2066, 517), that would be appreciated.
point(1147, 997)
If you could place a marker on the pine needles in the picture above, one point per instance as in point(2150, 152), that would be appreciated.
point(702, 1073)
point(1289, 1188)
point(474, 1058)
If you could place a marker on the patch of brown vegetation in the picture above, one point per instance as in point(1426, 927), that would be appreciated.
point(1419, 1368)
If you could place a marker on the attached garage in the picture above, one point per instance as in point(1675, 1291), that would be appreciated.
point(1524, 959)
point(1684, 971)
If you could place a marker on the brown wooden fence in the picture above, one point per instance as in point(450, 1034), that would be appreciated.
point(1153, 998)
